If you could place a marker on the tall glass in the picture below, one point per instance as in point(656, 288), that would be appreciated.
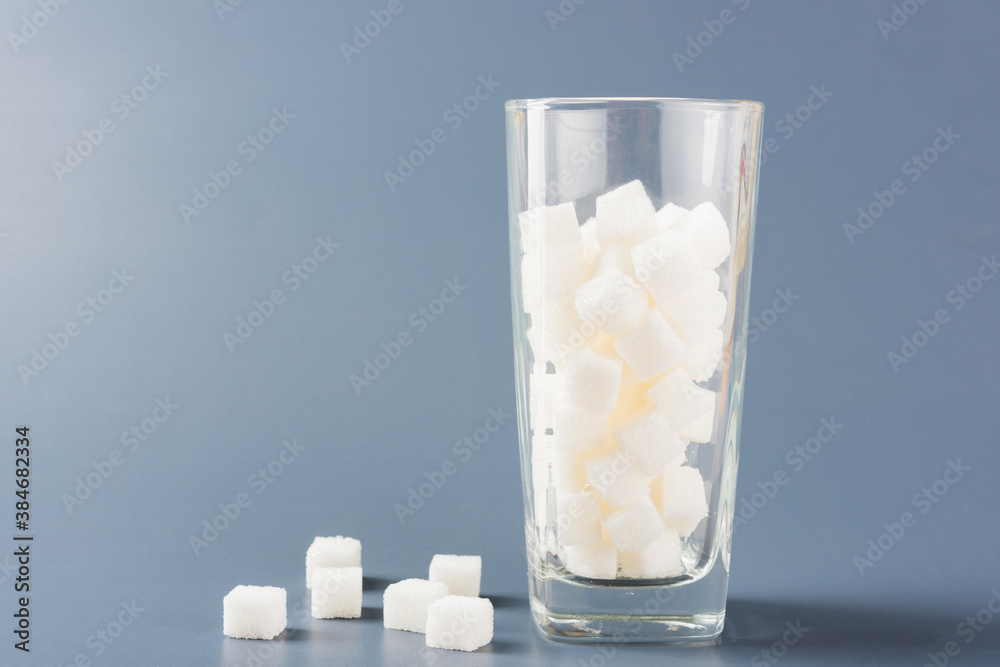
point(631, 233)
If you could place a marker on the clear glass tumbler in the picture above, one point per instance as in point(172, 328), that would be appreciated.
point(631, 233)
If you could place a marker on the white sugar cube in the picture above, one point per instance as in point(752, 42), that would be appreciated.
point(336, 592)
point(701, 429)
point(336, 551)
point(254, 612)
point(461, 574)
point(552, 325)
point(459, 623)
point(578, 519)
point(653, 347)
point(671, 216)
point(550, 273)
point(696, 313)
point(612, 301)
point(667, 265)
point(632, 528)
point(549, 226)
point(684, 403)
point(592, 382)
point(630, 402)
point(405, 603)
point(626, 215)
point(616, 480)
point(588, 237)
point(576, 428)
point(649, 441)
point(704, 355)
point(708, 233)
point(568, 475)
point(660, 559)
point(598, 561)
point(684, 504)
point(615, 256)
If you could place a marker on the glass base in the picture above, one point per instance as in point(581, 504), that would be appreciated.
point(686, 612)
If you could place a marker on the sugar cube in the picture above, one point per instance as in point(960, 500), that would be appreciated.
point(568, 475)
point(254, 612)
point(336, 592)
point(459, 623)
point(701, 429)
point(648, 440)
point(405, 603)
point(578, 519)
point(683, 402)
point(550, 273)
point(336, 551)
point(684, 504)
point(588, 237)
point(696, 313)
point(630, 401)
point(709, 236)
point(542, 390)
point(597, 561)
point(667, 265)
point(591, 381)
point(671, 216)
point(616, 480)
point(653, 347)
point(552, 325)
point(625, 214)
point(576, 428)
point(615, 256)
point(612, 301)
point(460, 573)
point(632, 528)
point(704, 355)
point(549, 226)
point(660, 559)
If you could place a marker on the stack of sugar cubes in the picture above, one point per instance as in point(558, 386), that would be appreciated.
point(446, 606)
point(626, 320)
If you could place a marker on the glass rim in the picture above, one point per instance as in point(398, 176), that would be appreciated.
point(591, 102)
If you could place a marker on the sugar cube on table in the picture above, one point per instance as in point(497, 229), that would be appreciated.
point(634, 527)
point(591, 382)
point(684, 504)
point(578, 519)
point(708, 234)
point(616, 480)
point(696, 313)
point(549, 226)
point(625, 215)
point(660, 559)
point(667, 266)
point(652, 348)
point(336, 592)
point(254, 612)
point(459, 623)
point(405, 603)
point(684, 403)
point(648, 441)
point(704, 355)
point(461, 574)
point(612, 301)
point(576, 428)
point(336, 551)
point(598, 561)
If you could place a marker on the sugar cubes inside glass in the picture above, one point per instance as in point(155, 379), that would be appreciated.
point(336, 592)
point(336, 551)
point(628, 318)
point(459, 623)
point(405, 603)
point(254, 612)
point(461, 574)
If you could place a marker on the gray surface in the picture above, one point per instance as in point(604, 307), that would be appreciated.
point(163, 336)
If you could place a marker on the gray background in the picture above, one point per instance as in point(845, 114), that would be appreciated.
point(323, 177)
